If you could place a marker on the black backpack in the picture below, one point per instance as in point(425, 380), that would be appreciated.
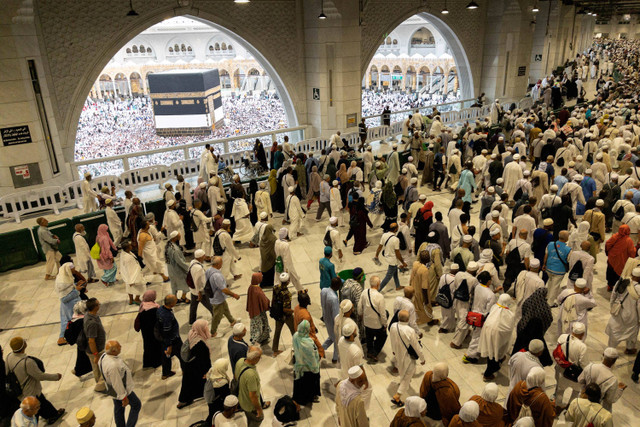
point(194, 227)
point(620, 213)
point(514, 267)
point(444, 296)
point(576, 271)
point(217, 247)
point(518, 194)
point(458, 260)
point(286, 410)
point(277, 307)
point(13, 386)
point(327, 239)
point(403, 242)
point(485, 237)
point(462, 292)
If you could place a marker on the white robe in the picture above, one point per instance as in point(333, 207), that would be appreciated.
point(201, 221)
point(581, 304)
point(283, 250)
point(150, 256)
point(394, 167)
point(131, 274)
point(526, 284)
point(625, 326)
point(244, 230)
point(335, 201)
point(496, 336)
point(229, 256)
point(115, 225)
point(263, 202)
point(351, 353)
point(587, 266)
point(606, 379)
point(89, 202)
point(512, 173)
point(403, 336)
point(519, 366)
point(185, 191)
point(84, 263)
point(172, 222)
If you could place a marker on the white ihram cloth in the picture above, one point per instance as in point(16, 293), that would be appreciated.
point(526, 284)
point(402, 337)
point(602, 375)
point(131, 274)
point(172, 222)
point(89, 202)
point(497, 333)
point(83, 263)
point(625, 325)
point(115, 225)
point(512, 173)
point(240, 212)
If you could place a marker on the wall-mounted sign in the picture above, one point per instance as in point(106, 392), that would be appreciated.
point(351, 120)
point(522, 71)
point(15, 135)
point(538, 58)
point(26, 175)
point(316, 94)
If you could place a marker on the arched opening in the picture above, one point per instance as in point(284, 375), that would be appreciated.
point(427, 46)
point(373, 77)
point(263, 106)
point(136, 84)
point(396, 78)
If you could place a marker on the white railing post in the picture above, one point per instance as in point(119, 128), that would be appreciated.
point(125, 163)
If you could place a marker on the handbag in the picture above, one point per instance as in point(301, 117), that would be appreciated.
point(573, 371)
point(95, 251)
point(475, 319)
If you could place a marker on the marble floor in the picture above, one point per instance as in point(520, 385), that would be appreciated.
point(29, 308)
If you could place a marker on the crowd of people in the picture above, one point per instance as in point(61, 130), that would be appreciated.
point(538, 196)
point(121, 126)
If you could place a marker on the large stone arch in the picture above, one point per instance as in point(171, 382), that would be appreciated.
point(71, 84)
point(456, 28)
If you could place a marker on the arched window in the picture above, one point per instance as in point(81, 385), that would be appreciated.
point(224, 46)
point(189, 49)
point(395, 41)
point(217, 46)
point(230, 47)
point(170, 49)
point(134, 49)
point(142, 49)
point(183, 48)
point(149, 50)
point(210, 48)
point(176, 48)
point(128, 51)
point(422, 37)
point(388, 40)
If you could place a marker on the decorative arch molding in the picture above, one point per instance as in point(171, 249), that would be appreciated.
point(377, 13)
point(70, 82)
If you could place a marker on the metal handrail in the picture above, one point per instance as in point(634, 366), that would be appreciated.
point(410, 110)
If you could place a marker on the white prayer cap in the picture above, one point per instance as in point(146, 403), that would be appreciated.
point(493, 156)
point(422, 197)
point(554, 188)
point(378, 184)
point(170, 203)
point(547, 222)
point(354, 372)
point(578, 328)
point(410, 158)
point(404, 170)
point(377, 164)
point(469, 411)
point(534, 263)
point(614, 176)
point(333, 220)
point(589, 135)
point(238, 328)
point(484, 151)
point(346, 305)
point(491, 190)
point(292, 189)
point(263, 215)
point(578, 177)
point(495, 213)
point(284, 277)
point(599, 202)
point(526, 173)
point(499, 181)
point(335, 182)
point(369, 148)
point(199, 253)
point(610, 353)
point(473, 266)
point(467, 238)
point(516, 157)
point(581, 283)
point(579, 158)
point(588, 172)
point(454, 266)
point(486, 252)
point(599, 156)
point(536, 346)
point(414, 180)
point(226, 221)
point(636, 272)
point(394, 146)
point(501, 138)
point(87, 174)
point(572, 164)
point(494, 231)
point(167, 185)
point(203, 185)
point(173, 234)
point(230, 401)
point(348, 330)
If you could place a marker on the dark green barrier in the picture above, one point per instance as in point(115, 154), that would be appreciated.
point(91, 222)
point(157, 207)
point(64, 229)
point(17, 250)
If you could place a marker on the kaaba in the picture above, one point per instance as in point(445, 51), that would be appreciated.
point(186, 102)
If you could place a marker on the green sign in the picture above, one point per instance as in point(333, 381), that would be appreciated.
point(394, 77)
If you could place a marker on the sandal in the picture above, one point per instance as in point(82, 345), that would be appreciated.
point(398, 403)
point(265, 405)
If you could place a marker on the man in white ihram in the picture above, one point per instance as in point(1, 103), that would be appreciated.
point(230, 254)
point(402, 338)
point(577, 355)
point(601, 374)
point(113, 221)
point(294, 213)
point(89, 202)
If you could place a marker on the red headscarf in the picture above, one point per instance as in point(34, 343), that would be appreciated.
point(619, 248)
point(257, 301)
point(426, 210)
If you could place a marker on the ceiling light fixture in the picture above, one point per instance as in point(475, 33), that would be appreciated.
point(445, 11)
point(241, 1)
point(322, 15)
point(535, 9)
point(131, 11)
point(472, 5)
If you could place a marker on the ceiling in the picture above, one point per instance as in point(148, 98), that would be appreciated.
point(607, 8)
